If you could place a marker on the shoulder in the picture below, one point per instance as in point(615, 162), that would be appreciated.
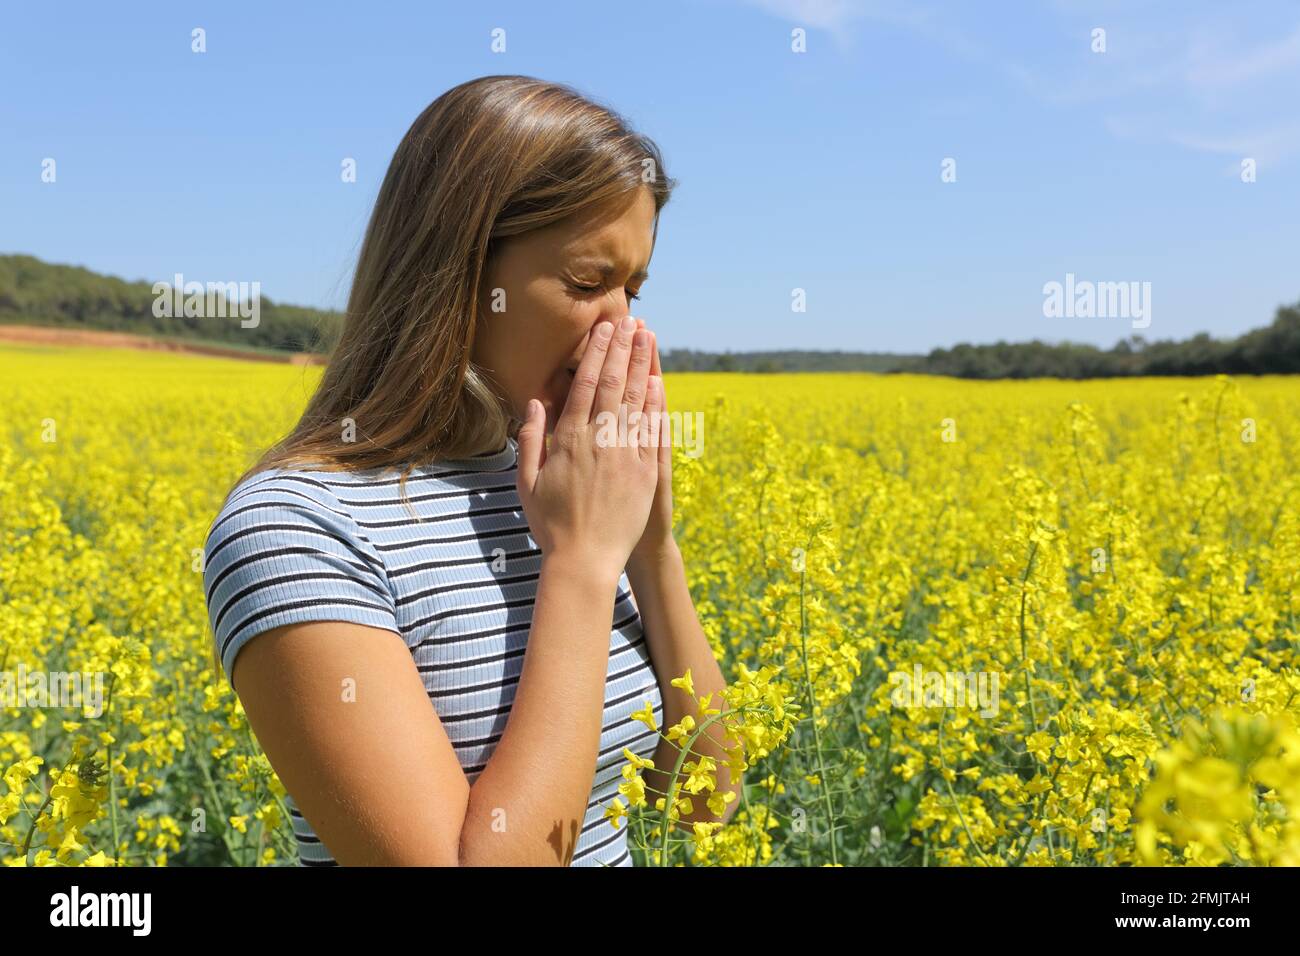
point(277, 489)
point(282, 548)
point(280, 502)
point(283, 505)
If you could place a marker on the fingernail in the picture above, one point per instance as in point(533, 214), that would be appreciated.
point(628, 323)
point(604, 329)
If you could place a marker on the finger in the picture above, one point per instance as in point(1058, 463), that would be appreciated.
point(653, 406)
point(666, 432)
point(532, 444)
point(613, 377)
point(577, 407)
point(654, 349)
point(638, 371)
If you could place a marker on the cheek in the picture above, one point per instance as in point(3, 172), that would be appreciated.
point(559, 332)
point(582, 318)
point(547, 327)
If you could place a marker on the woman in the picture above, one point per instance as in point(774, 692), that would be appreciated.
point(414, 540)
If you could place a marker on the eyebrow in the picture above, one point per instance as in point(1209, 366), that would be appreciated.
point(605, 267)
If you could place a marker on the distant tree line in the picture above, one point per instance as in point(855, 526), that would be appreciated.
point(33, 292)
point(689, 360)
point(1272, 350)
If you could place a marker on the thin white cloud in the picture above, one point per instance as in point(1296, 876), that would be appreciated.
point(837, 17)
point(1195, 75)
point(1267, 145)
point(823, 14)
point(1218, 70)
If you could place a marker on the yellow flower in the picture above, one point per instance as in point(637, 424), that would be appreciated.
point(646, 716)
point(700, 774)
point(1040, 745)
point(718, 801)
point(682, 729)
point(633, 788)
point(614, 812)
point(637, 761)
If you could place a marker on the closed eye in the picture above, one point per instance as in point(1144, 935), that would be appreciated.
point(632, 296)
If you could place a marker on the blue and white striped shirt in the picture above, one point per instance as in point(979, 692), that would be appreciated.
point(459, 587)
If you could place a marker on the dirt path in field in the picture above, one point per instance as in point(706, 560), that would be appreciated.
point(36, 335)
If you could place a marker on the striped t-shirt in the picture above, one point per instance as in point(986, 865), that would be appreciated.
point(459, 587)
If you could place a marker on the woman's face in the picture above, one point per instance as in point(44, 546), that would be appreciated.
point(553, 285)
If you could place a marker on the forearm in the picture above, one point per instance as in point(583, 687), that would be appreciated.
point(677, 644)
point(527, 806)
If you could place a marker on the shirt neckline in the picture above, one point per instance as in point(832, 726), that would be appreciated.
point(498, 460)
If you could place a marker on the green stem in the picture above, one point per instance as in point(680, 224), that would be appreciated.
point(812, 700)
point(952, 794)
point(1024, 651)
point(671, 796)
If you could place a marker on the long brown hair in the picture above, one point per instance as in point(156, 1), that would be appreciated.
point(493, 157)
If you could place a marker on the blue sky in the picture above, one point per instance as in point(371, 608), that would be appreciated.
point(818, 170)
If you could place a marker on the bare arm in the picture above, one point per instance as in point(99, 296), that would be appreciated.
point(677, 643)
point(376, 776)
point(527, 806)
point(374, 770)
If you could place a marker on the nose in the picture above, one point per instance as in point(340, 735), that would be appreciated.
point(613, 319)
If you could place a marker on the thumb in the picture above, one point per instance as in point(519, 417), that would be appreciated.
point(532, 444)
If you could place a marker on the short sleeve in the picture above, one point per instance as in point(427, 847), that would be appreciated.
point(283, 550)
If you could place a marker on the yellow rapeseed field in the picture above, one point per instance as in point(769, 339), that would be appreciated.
point(988, 624)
